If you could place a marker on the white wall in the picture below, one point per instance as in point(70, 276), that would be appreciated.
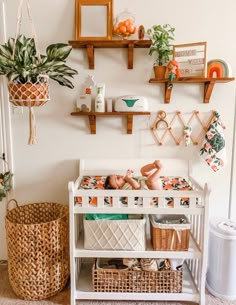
point(42, 171)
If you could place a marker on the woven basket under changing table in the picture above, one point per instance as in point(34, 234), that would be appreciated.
point(170, 232)
point(123, 234)
point(133, 281)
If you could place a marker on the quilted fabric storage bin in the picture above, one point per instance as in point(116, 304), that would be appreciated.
point(115, 234)
point(133, 281)
point(170, 232)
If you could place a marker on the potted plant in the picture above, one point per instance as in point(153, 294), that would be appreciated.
point(28, 71)
point(5, 182)
point(22, 64)
point(161, 37)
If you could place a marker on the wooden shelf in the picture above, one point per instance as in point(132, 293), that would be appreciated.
point(209, 84)
point(92, 118)
point(90, 45)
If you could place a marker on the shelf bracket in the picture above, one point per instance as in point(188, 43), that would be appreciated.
point(92, 123)
point(129, 123)
point(168, 91)
point(90, 52)
point(130, 55)
point(208, 88)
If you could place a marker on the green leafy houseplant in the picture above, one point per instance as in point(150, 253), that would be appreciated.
point(20, 62)
point(161, 47)
point(5, 184)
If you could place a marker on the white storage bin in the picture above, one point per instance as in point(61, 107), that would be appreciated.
point(221, 272)
point(122, 234)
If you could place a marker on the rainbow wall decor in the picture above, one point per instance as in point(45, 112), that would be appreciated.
point(218, 68)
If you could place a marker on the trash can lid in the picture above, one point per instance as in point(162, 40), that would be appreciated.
point(224, 226)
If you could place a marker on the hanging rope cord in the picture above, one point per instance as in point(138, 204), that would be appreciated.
point(18, 27)
point(32, 122)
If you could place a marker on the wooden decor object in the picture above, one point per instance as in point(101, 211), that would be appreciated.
point(191, 58)
point(160, 121)
point(93, 19)
point(169, 126)
point(218, 68)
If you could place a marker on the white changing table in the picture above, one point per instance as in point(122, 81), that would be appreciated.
point(195, 258)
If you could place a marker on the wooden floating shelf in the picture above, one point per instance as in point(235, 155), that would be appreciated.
point(92, 118)
point(209, 84)
point(90, 45)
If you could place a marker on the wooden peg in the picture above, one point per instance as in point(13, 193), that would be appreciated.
point(161, 119)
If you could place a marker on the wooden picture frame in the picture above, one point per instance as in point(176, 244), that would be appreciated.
point(191, 58)
point(93, 19)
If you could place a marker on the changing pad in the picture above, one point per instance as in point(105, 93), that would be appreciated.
point(168, 183)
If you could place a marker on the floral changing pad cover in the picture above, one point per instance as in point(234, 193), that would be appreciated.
point(168, 183)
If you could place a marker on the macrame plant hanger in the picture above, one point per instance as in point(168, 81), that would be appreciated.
point(30, 94)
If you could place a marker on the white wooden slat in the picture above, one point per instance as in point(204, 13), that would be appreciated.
point(85, 201)
point(192, 202)
point(146, 202)
point(161, 202)
point(100, 201)
point(115, 201)
point(130, 202)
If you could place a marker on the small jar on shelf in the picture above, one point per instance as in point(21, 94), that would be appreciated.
point(124, 25)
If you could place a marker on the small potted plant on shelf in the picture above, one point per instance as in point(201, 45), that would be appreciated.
point(161, 37)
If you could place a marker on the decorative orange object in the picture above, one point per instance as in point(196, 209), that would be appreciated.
point(124, 25)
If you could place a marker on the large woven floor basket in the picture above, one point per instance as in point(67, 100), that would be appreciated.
point(38, 249)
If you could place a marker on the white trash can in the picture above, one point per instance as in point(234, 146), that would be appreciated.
point(221, 271)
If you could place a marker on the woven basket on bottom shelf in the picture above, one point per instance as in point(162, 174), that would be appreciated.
point(38, 249)
point(118, 280)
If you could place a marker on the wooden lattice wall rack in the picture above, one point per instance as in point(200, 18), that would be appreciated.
point(161, 123)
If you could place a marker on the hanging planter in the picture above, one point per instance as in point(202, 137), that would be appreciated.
point(28, 71)
point(29, 94)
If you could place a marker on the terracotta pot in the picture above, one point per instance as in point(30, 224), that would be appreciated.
point(159, 72)
point(28, 94)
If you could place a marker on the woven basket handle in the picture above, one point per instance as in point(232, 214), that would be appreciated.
point(14, 200)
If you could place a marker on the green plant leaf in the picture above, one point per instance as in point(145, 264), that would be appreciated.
point(59, 51)
point(62, 81)
point(28, 66)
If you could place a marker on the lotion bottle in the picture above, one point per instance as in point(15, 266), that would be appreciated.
point(99, 101)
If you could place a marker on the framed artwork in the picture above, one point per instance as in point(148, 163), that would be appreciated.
point(191, 58)
point(93, 19)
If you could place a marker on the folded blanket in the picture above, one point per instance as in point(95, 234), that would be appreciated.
point(213, 147)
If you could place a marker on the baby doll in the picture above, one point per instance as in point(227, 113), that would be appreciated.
point(150, 180)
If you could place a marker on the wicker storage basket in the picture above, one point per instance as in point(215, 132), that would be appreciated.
point(38, 249)
point(170, 232)
point(115, 234)
point(115, 280)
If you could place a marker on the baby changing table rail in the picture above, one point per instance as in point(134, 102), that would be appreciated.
point(196, 210)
